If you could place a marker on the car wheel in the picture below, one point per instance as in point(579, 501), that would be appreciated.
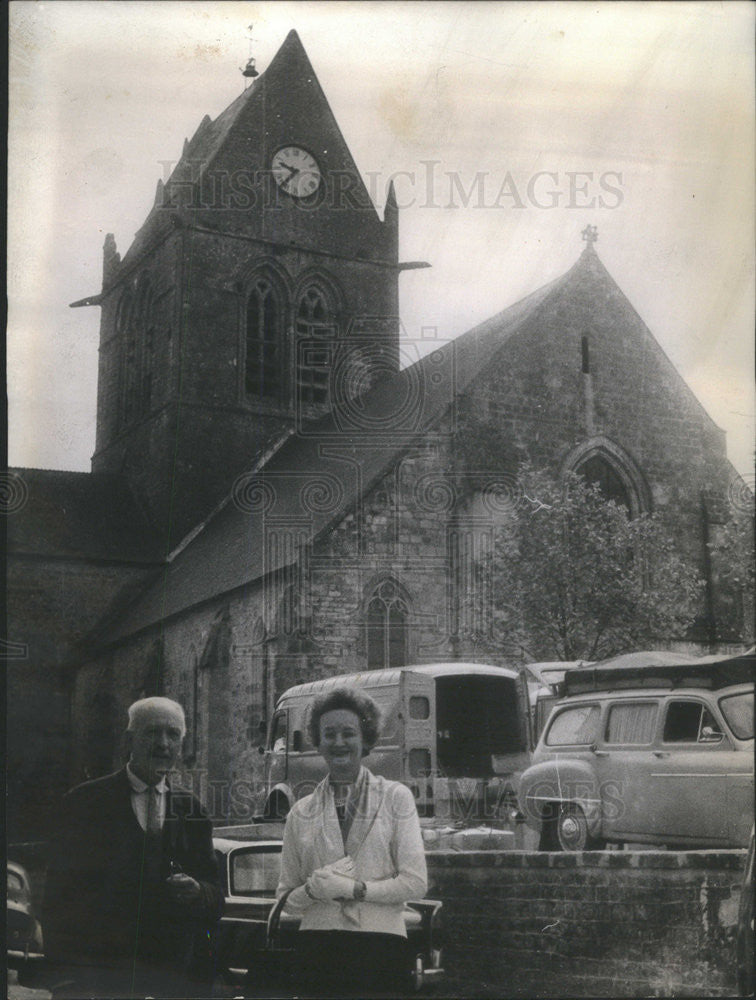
point(572, 830)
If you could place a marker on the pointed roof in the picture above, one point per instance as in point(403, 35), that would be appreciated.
point(284, 105)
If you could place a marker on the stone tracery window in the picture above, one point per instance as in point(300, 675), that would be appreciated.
point(387, 623)
point(135, 324)
point(314, 320)
point(262, 372)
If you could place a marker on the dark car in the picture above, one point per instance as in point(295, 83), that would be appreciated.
point(250, 871)
point(23, 933)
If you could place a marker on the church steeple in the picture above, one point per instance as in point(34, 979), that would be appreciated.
point(263, 248)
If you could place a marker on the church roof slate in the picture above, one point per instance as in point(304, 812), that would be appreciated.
point(82, 516)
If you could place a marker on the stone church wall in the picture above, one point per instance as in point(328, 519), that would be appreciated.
point(549, 409)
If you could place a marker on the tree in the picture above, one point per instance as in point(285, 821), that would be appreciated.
point(734, 565)
point(574, 576)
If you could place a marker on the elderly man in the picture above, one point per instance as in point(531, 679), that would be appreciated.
point(133, 896)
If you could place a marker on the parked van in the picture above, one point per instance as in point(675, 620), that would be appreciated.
point(458, 734)
point(649, 753)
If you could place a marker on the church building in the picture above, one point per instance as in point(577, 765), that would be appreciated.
point(274, 496)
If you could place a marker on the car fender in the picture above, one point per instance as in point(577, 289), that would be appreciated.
point(560, 780)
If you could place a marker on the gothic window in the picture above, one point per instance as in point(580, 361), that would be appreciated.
point(144, 348)
point(314, 320)
point(602, 461)
point(262, 374)
point(135, 325)
point(597, 470)
point(125, 332)
point(387, 627)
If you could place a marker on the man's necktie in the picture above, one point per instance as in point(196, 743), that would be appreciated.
point(153, 847)
point(154, 826)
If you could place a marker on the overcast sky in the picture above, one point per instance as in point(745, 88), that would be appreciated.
point(531, 119)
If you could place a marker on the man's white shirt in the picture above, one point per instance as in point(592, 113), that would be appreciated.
point(140, 793)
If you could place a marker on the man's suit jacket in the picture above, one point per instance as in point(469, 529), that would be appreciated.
point(103, 900)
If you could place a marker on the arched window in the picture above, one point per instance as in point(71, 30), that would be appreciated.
point(126, 329)
point(597, 470)
point(314, 320)
point(387, 627)
point(262, 372)
point(135, 325)
point(606, 463)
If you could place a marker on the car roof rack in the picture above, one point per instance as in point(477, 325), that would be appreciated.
point(709, 672)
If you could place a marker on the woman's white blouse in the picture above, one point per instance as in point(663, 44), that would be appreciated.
point(384, 841)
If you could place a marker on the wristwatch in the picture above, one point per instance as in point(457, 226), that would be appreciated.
point(360, 891)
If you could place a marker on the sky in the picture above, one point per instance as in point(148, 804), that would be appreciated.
point(507, 127)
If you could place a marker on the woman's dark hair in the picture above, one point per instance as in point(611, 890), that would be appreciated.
point(347, 698)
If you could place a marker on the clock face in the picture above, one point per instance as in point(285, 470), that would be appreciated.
point(296, 171)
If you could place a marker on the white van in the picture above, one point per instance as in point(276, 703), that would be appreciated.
point(458, 734)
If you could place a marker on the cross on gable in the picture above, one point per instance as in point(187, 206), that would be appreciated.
point(590, 235)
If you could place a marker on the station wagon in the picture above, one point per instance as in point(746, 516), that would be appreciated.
point(662, 756)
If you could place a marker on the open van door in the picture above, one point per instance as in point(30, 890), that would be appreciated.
point(417, 737)
point(526, 719)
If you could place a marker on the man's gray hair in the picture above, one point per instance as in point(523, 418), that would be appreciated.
point(145, 707)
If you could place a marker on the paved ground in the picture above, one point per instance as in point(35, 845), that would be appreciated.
point(16, 992)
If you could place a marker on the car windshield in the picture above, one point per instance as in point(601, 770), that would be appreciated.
point(738, 710)
point(574, 725)
point(255, 872)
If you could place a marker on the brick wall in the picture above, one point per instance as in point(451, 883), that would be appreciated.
point(604, 924)
point(595, 924)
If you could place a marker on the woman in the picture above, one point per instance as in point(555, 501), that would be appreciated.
point(352, 856)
